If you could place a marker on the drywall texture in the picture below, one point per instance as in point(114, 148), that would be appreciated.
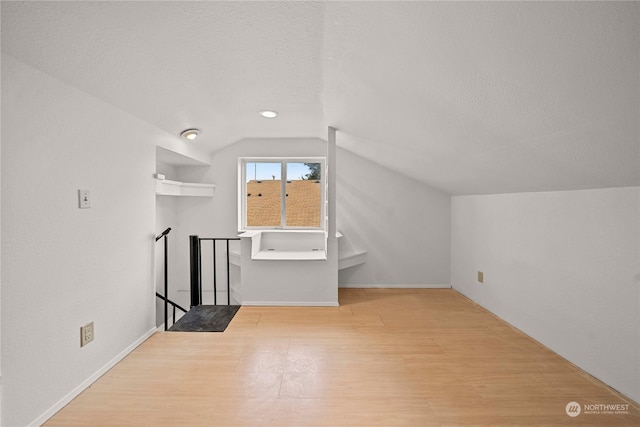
point(403, 225)
point(562, 267)
point(241, 56)
point(488, 97)
point(64, 266)
point(470, 97)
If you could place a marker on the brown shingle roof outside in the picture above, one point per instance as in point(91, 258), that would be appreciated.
point(302, 203)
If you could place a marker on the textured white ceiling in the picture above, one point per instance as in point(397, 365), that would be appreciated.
point(472, 98)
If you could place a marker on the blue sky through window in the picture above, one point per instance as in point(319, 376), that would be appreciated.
point(265, 171)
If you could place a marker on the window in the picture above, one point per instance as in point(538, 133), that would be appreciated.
point(281, 193)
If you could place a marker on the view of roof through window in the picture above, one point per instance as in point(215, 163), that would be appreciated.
point(302, 194)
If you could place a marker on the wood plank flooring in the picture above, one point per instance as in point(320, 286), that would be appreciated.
point(414, 357)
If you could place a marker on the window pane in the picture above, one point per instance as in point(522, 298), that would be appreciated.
point(303, 195)
point(264, 191)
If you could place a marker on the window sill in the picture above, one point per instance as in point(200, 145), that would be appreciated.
point(290, 256)
point(274, 245)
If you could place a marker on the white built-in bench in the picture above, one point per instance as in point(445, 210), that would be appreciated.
point(297, 245)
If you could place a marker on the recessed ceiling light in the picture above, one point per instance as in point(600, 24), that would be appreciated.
point(269, 114)
point(190, 134)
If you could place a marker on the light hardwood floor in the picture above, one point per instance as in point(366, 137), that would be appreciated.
point(426, 357)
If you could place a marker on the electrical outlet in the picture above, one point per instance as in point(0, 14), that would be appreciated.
point(86, 334)
point(84, 199)
point(480, 277)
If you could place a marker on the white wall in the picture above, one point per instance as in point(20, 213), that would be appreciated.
point(562, 267)
point(62, 266)
point(403, 224)
point(218, 216)
point(0, 271)
point(289, 282)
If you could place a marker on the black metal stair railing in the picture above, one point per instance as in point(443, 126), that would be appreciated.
point(166, 300)
point(174, 305)
point(195, 249)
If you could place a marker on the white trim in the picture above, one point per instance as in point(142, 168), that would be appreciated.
point(290, 303)
point(392, 286)
point(330, 182)
point(93, 378)
point(234, 258)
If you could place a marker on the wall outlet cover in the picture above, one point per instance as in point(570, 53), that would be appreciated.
point(480, 277)
point(86, 334)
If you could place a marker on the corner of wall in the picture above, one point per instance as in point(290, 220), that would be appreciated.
point(561, 267)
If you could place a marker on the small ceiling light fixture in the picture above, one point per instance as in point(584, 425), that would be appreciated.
point(190, 134)
point(269, 114)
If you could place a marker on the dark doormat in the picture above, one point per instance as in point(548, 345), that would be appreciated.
point(206, 318)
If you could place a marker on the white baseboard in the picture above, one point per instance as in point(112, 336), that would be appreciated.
point(86, 383)
point(290, 303)
point(392, 286)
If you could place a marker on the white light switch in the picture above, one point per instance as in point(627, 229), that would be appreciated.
point(84, 199)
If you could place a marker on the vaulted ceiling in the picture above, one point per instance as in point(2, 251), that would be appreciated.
point(471, 98)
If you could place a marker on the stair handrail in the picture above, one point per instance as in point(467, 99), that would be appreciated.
point(164, 235)
point(174, 304)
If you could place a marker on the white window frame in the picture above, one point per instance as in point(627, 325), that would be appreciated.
point(242, 191)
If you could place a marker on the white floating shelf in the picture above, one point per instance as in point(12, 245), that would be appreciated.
point(346, 260)
point(166, 187)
